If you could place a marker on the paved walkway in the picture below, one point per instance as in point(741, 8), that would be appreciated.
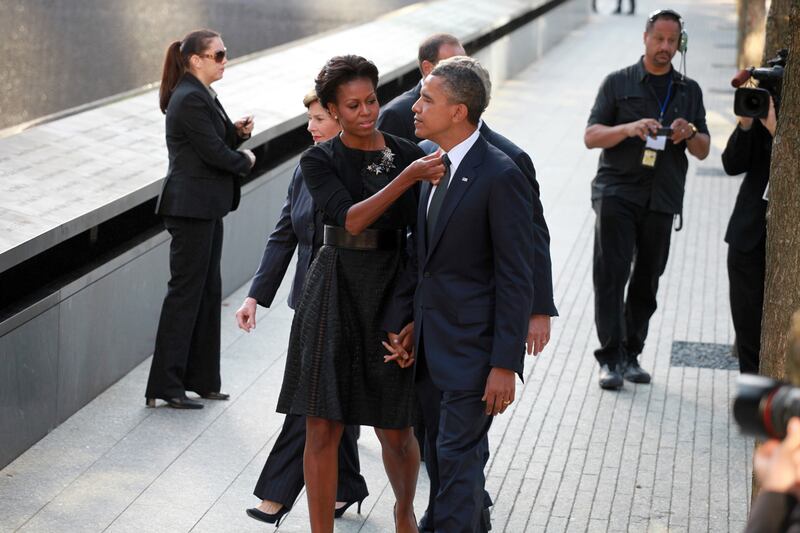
point(566, 457)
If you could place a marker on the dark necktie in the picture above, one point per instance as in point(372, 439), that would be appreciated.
point(438, 197)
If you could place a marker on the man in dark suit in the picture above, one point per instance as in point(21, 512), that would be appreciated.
point(539, 324)
point(472, 286)
point(396, 117)
point(749, 150)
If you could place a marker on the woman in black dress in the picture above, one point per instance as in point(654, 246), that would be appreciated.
point(300, 228)
point(363, 181)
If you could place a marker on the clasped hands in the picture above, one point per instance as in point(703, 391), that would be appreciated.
point(400, 347)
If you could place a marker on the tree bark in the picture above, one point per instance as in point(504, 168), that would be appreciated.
point(782, 286)
point(778, 27)
point(752, 16)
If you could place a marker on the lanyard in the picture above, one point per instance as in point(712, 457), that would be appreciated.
point(663, 106)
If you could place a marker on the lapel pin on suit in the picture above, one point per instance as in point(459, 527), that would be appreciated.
point(464, 179)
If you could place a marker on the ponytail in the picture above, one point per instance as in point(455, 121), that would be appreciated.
point(173, 70)
point(177, 60)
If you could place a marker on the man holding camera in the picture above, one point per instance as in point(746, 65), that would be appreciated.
point(645, 118)
point(748, 150)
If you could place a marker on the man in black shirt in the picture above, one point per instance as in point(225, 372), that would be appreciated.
point(638, 190)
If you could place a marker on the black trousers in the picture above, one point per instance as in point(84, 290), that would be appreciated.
point(746, 272)
point(186, 355)
point(282, 479)
point(430, 402)
point(626, 234)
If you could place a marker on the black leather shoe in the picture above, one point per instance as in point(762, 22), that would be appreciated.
point(177, 403)
point(610, 379)
point(215, 396)
point(635, 374)
point(273, 518)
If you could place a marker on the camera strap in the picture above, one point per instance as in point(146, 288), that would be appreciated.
point(662, 106)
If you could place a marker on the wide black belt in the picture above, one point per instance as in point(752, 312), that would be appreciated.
point(369, 239)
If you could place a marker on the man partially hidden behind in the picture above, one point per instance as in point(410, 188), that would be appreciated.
point(638, 190)
point(396, 117)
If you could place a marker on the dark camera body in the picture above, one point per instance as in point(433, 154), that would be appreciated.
point(763, 406)
point(754, 102)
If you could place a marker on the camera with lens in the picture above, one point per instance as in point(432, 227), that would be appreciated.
point(763, 406)
point(754, 101)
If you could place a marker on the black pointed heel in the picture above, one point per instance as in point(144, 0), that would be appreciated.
point(337, 513)
point(269, 518)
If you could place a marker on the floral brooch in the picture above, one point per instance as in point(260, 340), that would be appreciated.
point(385, 164)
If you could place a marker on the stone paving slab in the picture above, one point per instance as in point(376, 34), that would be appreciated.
point(566, 456)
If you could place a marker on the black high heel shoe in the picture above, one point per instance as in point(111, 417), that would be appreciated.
point(177, 403)
point(269, 518)
point(337, 513)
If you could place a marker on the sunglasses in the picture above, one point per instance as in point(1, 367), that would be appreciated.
point(218, 56)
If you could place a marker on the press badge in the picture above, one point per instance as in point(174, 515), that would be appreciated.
point(652, 146)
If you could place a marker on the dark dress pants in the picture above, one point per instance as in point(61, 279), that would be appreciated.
point(282, 479)
point(431, 408)
point(625, 234)
point(186, 355)
point(746, 272)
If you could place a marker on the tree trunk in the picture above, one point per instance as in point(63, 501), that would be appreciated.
point(782, 286)
point(752, 16)
point(778, 27)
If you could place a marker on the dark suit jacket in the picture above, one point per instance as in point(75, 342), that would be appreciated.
point(473, 280)
point(299, 227)
point(397, 118)
point(204, 167)
point(543, 303)
point(748, 151)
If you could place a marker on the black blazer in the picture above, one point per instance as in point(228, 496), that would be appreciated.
point(748, 151)
point(543, 303)
point(473, 281)
point(397, 118)
point(204, 167)
point(299, 226)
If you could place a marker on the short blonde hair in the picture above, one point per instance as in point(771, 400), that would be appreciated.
point(310, 98)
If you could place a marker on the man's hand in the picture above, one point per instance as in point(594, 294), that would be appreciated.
point(538, 333)
point(681, 130)
point(401, 347)
point(771, 122)
point(246, 315)
point(499, 393)
point(777, 463)
point(642, 128)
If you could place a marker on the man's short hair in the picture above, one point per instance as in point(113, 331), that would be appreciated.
point(663, 14)
point(429, 48)
point(466, 82)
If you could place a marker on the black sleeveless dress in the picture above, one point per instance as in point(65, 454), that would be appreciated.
point(334, 366)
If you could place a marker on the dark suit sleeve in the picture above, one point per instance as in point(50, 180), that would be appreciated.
point(324, 185)
point(195, 120)
point(277, 254)
point(737, 157)
point(543, 303)
point(400, 310)
point(511, 227)
point(390, 121)
point(771, 513)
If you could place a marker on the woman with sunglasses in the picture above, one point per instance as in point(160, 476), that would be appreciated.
point(299, 227)
point(364, 182)
point(201, 186)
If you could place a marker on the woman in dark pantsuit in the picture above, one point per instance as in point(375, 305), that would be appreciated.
point(201, 186)
point(299, 227)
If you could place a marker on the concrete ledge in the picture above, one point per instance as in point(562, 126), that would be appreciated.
point(62, 351)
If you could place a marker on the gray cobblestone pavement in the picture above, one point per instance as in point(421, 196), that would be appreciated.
point(565, 457)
